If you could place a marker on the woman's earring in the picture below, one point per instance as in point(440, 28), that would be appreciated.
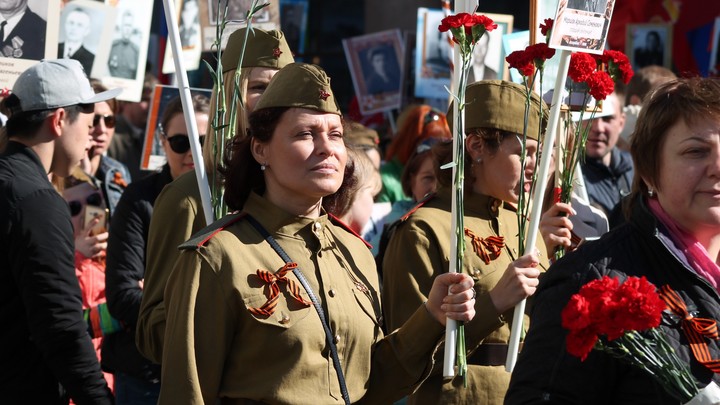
point(651, 192)
point(478, 160)
point(262, 167)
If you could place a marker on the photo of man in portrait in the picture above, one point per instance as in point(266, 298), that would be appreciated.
point(21, 30)
point(382, 72)
point(124, 53)
point(75, 29)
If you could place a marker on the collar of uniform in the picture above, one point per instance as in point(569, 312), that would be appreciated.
point(277, 221)
point(477, 205)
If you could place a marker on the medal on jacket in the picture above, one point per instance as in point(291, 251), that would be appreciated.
point(17, 44)
point(487, 249)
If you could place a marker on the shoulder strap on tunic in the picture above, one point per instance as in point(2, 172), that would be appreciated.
point(205, 234)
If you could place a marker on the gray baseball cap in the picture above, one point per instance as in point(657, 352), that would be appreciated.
point(55, 83)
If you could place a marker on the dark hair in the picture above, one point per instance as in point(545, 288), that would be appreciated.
point(443, 153)
point(688, 99)
point(201, 104)
point(241, 171)
point(25, 124)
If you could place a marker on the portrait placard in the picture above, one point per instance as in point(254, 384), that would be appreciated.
point(649, 44)
point(433, 53)
point(582, 25)
point(376, 67)
point(32, 38)
point(127, 55)
point(190, 41)
point(83, 32)
point(153, 155)
point(488, 54)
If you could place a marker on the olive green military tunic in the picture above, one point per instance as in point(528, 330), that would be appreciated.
point(216, 348)
point(418, 251)
point(177, 215)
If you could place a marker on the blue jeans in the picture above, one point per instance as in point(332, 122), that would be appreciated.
point(135, 391)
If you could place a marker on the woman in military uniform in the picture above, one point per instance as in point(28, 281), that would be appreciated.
point(420, 247)
point(279, 303)
point(178, 210)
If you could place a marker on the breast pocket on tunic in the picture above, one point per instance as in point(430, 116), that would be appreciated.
point(288, 311)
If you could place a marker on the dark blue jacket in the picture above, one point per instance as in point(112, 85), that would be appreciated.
point(607, 185)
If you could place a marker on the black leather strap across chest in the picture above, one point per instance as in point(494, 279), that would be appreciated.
point(316, 303)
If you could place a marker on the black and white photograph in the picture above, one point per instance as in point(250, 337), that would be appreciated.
point(127, 49)
point(28, 33)
point(190, 40)
point(82, 31)
point(376, 66)
point(23, 29)
point(649, 44)
point(488, 54)
point(433, 52)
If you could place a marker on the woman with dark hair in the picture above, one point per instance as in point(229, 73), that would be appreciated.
point(136, 378)
point(278, 303)
point(672, 237)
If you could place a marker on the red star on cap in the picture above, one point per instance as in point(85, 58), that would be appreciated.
point(324, 94)
point(277, 52)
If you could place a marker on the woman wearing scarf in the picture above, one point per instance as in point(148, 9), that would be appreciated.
point(672, 238)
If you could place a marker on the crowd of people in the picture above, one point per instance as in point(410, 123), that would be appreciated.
point(328, 281)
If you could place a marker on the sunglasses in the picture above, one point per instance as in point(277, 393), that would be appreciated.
point(108, 119)
point(180, 143)
point(77, 206)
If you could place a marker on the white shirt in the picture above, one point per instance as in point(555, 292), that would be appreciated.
point(12, 22)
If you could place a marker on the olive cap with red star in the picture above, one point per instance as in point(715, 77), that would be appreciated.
point(300, 85)
point(263, 49)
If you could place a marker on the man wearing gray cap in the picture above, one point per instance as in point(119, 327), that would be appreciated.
point(46, 352)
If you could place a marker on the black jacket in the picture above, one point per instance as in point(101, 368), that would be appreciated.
point(546, 373)
point(607, 185)
point(27, 39)
point(125, 268)
point(44, 340)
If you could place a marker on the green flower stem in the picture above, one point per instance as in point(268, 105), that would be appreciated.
point(651, 352)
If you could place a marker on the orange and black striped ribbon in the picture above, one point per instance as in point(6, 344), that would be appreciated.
point(486, 248)
point(695, 329)
point(273, 290)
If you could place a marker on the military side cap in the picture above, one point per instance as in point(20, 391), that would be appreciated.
point(300, 85)
point(362, 136)
point(264, 49)
point(500, 104)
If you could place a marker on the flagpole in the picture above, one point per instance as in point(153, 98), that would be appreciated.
point(549, 140)
point(188, 111)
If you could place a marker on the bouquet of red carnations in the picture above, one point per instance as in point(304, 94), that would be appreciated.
point(622, 320)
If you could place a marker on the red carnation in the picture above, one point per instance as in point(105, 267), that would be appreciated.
point(539, 53)
point(520, 61)
point(546, 26)
point(486, 22)
point(581, 66)
point(580, 343)
point(601, 85)
point(642, 306)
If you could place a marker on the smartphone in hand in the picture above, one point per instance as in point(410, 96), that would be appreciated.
point(92, 212)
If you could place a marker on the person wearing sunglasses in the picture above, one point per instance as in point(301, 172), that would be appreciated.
point(136, 378)
point(178, 209)
point(419, 122)
point(111, 175)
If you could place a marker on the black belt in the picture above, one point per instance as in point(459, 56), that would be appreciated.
point(490, 354)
